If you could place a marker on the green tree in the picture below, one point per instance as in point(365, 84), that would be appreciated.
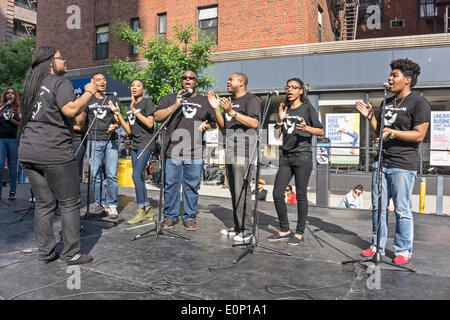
point(168, 60)
point(15, 59)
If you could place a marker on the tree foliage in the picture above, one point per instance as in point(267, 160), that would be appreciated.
point(168, 60)
point(15, 59)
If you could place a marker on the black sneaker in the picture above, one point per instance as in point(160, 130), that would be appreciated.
point(12, 196)
point(45, 260)
point(277, 237)
point(79, 259)
point(294, 241)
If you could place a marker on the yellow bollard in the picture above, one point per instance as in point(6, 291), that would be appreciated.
point(423, 187)
point(124, 173)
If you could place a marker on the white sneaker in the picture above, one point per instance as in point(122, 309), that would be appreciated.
point(230, 232)
point(242, 237)
point(99, 211)
point(112, 212)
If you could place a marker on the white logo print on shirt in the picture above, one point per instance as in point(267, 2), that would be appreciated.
point(132, 116)
point(390, 116)
point(37, 107)
point(190, 109)
point(290, 123)
point(100, 113)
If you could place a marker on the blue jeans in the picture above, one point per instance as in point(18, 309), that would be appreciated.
point(107, 150)
point(186, 172)
point(8, 150)
point(138, 179)
point(398, 184)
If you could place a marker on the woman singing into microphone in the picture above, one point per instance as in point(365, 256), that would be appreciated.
point(298, 122)
point(139, 125)
point(9, 145)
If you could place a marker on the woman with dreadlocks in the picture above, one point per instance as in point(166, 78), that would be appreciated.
point(45, 152)
point(9, 121)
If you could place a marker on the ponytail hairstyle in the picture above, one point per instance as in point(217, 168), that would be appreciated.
point(303, 97)
point(15, 105)
point(40, 67)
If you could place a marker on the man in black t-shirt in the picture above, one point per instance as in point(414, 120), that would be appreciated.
point(104, 146)
point(406, 120)
point(184, 146)
point(239, 121)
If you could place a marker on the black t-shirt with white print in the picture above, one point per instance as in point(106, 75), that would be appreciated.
point(7, 129)
point(105, 117)
point(140, 133)
point(242, 137)
point(182, 138)
point(295, 140)
point(47, 137)
point(410, 112)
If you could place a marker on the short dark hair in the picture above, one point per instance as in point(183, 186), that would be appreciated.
point(289, 187)
point(142, 82)
point(408, 68)
point(359, 187)
point(97, 74)
point(243, 77)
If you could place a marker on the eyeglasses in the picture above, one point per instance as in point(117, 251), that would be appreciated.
point(291, 87)
point(186, 78)
point(60, 58)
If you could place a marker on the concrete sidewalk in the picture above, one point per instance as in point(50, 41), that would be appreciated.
point(212, 189)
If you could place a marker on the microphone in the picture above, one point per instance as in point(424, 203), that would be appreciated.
point(188, 92)
point(110, 93)
point(6, 104)
point(274, 92)
point(386, 85)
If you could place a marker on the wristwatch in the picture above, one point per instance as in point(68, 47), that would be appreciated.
point(234, 116)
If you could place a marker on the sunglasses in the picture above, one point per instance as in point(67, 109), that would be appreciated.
point(357, 192)
point(60, 58)
point(188, 78)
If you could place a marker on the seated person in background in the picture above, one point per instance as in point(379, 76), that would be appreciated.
point(353, 199)
point(262, 193)
point(289, 195)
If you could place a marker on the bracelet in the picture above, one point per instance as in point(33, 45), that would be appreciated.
point(392, 135)
point(89, 92)
point(279, 124)
point(168, 109)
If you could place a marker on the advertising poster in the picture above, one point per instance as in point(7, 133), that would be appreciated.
point(343, 131)
point(440, 138)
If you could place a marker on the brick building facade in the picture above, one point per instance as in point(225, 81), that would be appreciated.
point(402, 17)
point(17, 19)
point(241, 24)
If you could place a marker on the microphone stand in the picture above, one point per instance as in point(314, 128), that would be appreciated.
point(253, 243)
point(158, 224)
point(377, 257)
point(88, 215)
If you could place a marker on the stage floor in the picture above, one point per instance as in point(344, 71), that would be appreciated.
point(202, 268)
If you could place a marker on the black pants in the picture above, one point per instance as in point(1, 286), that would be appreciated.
point(300, 165)
point(236, 174)
point(51, 183)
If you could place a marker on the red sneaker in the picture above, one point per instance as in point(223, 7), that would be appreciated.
point(401, 260)
point(368, 253)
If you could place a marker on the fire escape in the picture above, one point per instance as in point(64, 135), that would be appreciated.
point(349, 20)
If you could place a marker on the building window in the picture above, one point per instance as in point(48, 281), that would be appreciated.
point(427, 8)
point(135, 26)
point(101, 42)
point(26, 4)
point(363, 13)
point(23, 29)
point(162, 25)
point(207, 23)
point(319, 19)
